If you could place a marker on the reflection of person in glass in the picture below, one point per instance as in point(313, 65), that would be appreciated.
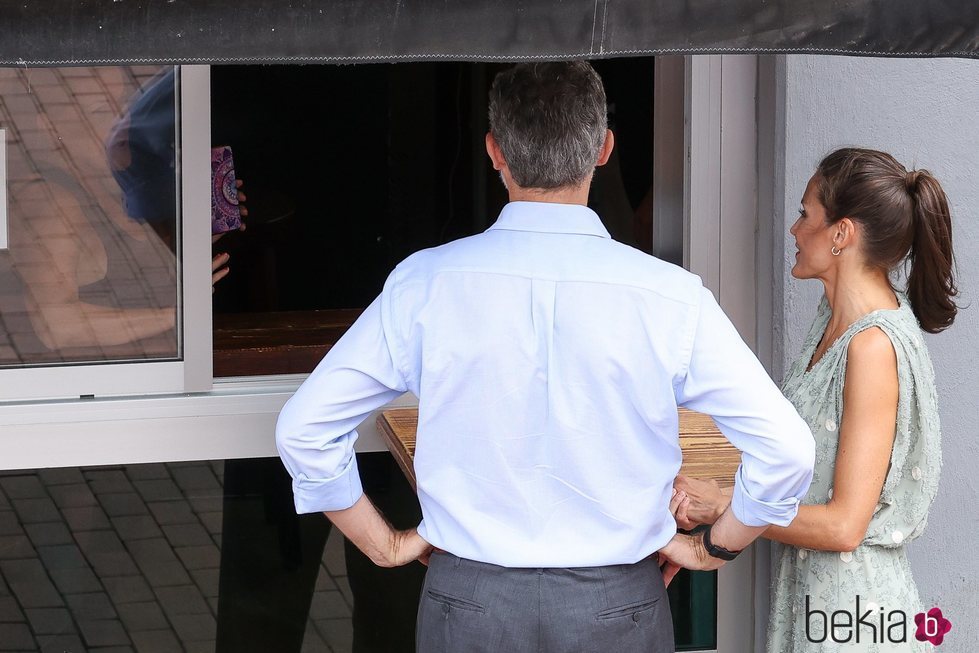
point(865, 383)
point(141, 155)
point(549, 362)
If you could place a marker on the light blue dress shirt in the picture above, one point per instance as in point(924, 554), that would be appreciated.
point(549, 361)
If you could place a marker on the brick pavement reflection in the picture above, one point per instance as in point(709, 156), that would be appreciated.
point(127, 558)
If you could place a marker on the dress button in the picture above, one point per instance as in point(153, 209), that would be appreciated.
point(802, 554)
point(897, 536)
point(795, 609)
point(635, 617)
point(830, 425)
point(830, 493)
point(846, 556)
point(916, 473)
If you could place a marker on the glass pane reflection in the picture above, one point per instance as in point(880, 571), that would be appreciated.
point(90, 273)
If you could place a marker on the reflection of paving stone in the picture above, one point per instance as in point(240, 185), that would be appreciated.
point(199, 557)
point(33, 511)
point(156, 641)
point(88, 518)
point(60, 476)
point(142, 616)
point(147, 471)
point(15, 637)
point(61, 644)
point(192, 534)
point(75, 581)
point(22, 487)
point(136, 527)
point(9, 524)
point(182, 599)
point(198, 477)
point(312, 642)
point(29, 582)
point(106, 553)
point(207, 581)
point(328, 605)
point(50, 621)
point(62, 556)
point(158, 490)
point(72, 495)
point(324, 581)
point(103, 632)
point(15, 546)
point(209, 502)
point(213, 522)
point(123, 504)
point(103, 482)
point(337, 633)
point(158, 562)
point(172, 512)
point(49, 533)
point(90, 607)
point(195, 627)
point(128, 589)
point(9, 610)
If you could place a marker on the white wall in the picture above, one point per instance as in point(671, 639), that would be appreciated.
point(926, 113)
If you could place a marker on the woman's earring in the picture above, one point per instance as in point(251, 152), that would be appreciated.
point(836, 250)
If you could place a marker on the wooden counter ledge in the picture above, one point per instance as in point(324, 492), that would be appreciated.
point(706, 453)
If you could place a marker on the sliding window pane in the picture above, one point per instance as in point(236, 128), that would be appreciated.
point(90, 272)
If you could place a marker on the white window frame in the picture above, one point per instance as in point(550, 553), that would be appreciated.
point(193, 372)
point(711, 213)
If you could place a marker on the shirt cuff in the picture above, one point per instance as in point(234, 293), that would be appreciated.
point(337, 493)
point(755, 512)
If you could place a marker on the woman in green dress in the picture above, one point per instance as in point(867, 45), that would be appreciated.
point(865, 385)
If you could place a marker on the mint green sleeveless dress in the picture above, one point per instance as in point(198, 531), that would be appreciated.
point(877, 571)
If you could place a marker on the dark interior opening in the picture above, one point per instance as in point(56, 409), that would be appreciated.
point(349, 169)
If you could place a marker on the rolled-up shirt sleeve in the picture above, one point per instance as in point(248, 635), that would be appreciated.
point(725, 380)
point(316, 430)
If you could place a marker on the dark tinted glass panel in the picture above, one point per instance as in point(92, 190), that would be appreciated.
point(349, 169)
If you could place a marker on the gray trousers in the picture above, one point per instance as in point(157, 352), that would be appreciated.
point(474, 607)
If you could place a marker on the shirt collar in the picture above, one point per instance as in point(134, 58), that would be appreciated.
point(547, 217)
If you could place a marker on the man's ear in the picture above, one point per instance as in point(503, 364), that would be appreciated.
point(494, 152)
point(606, 150)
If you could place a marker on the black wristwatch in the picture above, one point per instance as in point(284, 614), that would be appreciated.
point(717, 551)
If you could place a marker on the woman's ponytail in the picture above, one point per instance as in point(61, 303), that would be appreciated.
point(931, 284)
point(902, 214)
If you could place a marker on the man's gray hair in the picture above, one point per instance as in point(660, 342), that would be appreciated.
point(549, 119)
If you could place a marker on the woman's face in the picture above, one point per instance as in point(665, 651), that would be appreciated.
point(813, 237)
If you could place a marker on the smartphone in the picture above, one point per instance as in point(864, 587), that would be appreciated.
point(225, 212)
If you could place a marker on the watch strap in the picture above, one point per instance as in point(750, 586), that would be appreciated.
point(717, 551)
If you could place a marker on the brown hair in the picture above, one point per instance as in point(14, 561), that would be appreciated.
point(902, 215)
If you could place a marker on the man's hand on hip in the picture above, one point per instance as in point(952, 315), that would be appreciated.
point(685, 552)
point(363, 525)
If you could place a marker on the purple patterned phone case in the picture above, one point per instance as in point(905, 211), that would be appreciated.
point(225, 213)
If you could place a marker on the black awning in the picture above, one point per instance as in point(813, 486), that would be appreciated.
point(85, 32)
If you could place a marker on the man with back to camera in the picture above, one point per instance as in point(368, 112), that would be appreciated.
point(549, 362)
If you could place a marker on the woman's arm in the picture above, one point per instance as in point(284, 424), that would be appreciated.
point(870, 396)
